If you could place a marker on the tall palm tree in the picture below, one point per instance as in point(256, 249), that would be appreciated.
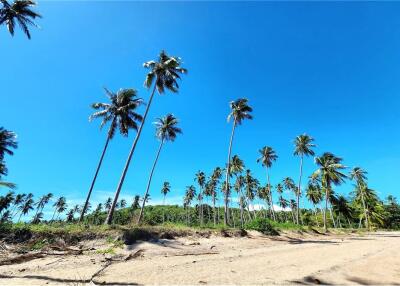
point(342, 208)
point(201, 181)
point(251, 187)
point(303, 147)
point(120, 112)
point(166, 188)
point(19, 11)
point(360, 177)
point(166, 130)
point(164, 73)
point(240, 110)
point(329, 172)
point(268, 156)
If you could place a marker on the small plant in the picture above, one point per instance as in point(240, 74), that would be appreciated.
point(262, 225)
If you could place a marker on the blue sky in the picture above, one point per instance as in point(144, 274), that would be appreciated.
point(328, 69)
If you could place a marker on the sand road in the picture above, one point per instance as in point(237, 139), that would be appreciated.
point(287, 259)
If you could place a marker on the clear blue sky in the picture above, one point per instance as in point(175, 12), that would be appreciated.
point(328, 69)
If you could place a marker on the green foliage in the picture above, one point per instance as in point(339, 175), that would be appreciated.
point(262, 225)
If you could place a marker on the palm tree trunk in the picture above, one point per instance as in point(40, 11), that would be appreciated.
point(332, 218)
point(270, 196)
point(149, 182)
point(95, 175)
point(53, 214)
point(214, 214)
point(365, 208)
point(121, 181)
point(299, 191)
point(326, 209)
point(227, 174)
point(241, 211)
point(19, 219)
point(163, 216)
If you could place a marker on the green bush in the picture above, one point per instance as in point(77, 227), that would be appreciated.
point(262, 225)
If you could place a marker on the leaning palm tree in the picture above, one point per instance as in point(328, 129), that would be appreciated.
point(43, 201)
point(328, 173)
point(240, 110)
point(189, 196)
point(268, 156)
point(19, 11)
point(59, 206)
point(164, 73)
point(303, 147)
point(26, 207)
point(166, 188)
point(120, 112)
point(360, 177)
point(8, 141)
point(166, 130)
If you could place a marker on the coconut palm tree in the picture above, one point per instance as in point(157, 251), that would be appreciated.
point(268, 156)
point(43, 201)
point(215, 178)
point(166, 130)
point(164, 73)
point(27, 206)
point(303, 147)
point(59, 206)
point(329, 172)
point(342, 208)
point(122, 203)
point(8, 141)
point(189, 196)
point(201, 181)
point(107, 204)
point(238, 186)
point(18, 200)
point(6, 201)
point(360, 177)
point(240, 110)
point(120, 112)
point(166, 188)
point(293, 207)
point(251, 187)
point(19, 11)
point(314, 195)
point(283, 203)
point(70, 215)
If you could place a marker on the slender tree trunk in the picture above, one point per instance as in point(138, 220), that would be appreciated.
point(332, 218)
point(316, 215)
point(121, 181)
point(299, 190)
point(270, 196)
point(214, 213)
point(163, 218)
point(365, 208)
point(149, 183)
point(241, 211)
point(227, 174)
point(53, 214)
point(19, 219)
point(326, 209)
point(83, 211)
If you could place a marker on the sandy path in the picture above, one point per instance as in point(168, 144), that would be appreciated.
point(369, 259)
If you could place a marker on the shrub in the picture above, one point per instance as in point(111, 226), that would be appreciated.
point(262, 225)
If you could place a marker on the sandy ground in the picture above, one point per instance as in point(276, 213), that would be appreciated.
point(286, 259)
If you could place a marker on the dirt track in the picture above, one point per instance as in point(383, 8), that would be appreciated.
point(286, 259)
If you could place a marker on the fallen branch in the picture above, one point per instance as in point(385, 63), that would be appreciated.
point(193, 254)
point(22, 258)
